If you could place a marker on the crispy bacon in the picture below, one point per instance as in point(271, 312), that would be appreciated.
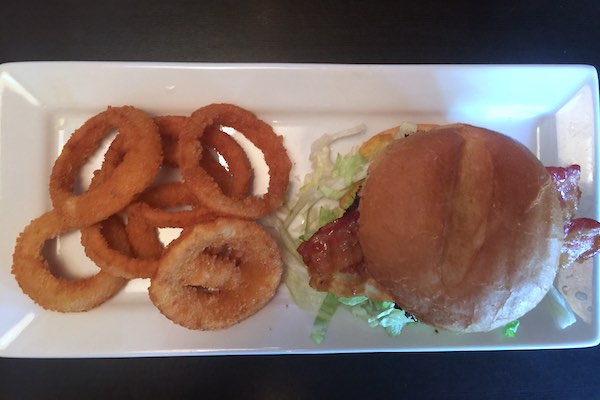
point(582, 241)
point(333, 248)
point(582, 235)
point(335, 260)
point(567, 185)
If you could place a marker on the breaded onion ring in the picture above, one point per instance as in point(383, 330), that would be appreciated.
point(214, 272)
point(169, 127)
point(140, 163)
point(111, 259)
point(156, 206)
point(238, 164)
point(152, 211)
point(260, 134)
point(143, 238)
point(234, 181)
point(54, 293)
point(196, 307)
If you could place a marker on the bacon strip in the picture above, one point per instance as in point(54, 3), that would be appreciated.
point(582, 235)
point(567, 185)
point(582, 241)
point(335, 260)
point(333, 248)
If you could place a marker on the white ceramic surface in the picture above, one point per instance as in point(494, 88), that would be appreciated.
point(551, 109)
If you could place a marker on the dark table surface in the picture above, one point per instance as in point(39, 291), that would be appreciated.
point(323, 32)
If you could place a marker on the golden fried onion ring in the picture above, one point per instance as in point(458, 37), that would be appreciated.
point(51, 292)
point(234, 181)
point(260, 134)
point(238, 164)
point(154, 207)
point(140, 164)
point(196, 307)
point(170, 127)
point(111, 259)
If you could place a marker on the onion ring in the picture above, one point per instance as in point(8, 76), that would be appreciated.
point(169, 127)
point(156, 204)
point(260, 134)
point(198, 308)
point(238, 164)
point(143, 238)
point(113, 260)
point(136, 170)
point(235, 181)
point(54, 293)
point(149, 212)
point(213, 272)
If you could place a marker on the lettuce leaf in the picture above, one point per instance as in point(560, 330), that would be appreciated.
point(315, 206)
point(510, 329)
point(559, 308)
point(348, 167)
point(323, 318)
point(376, 313)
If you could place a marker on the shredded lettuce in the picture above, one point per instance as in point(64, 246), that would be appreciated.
point(510, 329)
point(379, 313)
point(317, 204)
point(324, 316)
point(559, 308)
point(310, 210)
point(348, 167)
point(376, 313)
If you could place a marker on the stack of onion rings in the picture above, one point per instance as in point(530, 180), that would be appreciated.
point(128, 200)
point(73, 211)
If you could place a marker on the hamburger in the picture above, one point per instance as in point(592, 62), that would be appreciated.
point(460, 226)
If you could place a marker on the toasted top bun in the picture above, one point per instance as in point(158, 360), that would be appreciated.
point(462, 226)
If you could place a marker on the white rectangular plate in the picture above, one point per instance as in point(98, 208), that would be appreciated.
point(551, 109)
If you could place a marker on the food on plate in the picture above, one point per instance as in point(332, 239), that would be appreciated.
point(72, 211)
point(169, 204)
point(138, 190)
point(456, 226)
point(54, 292)
point(172, 204)
point(235, 179)
point(143, 237)
point(129, 265)
point(215, 270)
point(461, 226)
point(197, 307)
point(141, 147)
point(260, 134)
point(170, 127)
point(216, 143)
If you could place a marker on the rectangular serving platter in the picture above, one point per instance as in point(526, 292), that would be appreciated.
point(553, 110)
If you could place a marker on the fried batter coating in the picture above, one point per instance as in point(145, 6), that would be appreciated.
point(54, 293)
point(260, 134)
point(197, 307)
point(139, 164)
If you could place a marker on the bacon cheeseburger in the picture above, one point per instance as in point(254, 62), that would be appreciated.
point(460, 226)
